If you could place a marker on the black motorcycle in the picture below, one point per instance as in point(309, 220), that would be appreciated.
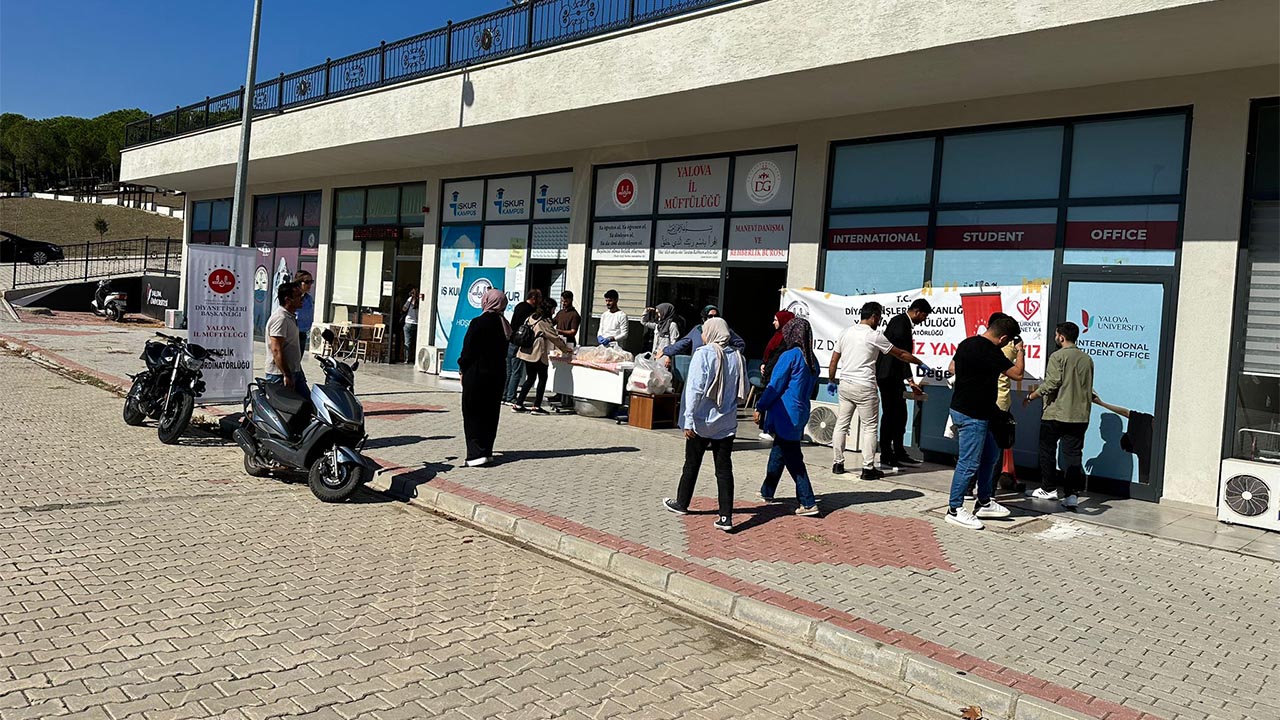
point(168, 388)
point(320, 435)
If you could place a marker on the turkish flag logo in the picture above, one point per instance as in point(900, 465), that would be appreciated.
point(1028, 308)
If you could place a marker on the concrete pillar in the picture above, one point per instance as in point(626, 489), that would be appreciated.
point(807, 211)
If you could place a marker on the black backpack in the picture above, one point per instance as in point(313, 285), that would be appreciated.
point(523, 337)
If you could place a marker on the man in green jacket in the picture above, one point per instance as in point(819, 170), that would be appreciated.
point(1068, 394)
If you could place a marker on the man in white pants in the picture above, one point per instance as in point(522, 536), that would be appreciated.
point(859, 348)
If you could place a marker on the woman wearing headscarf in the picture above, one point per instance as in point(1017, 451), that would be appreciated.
point(483, 367)
point(772, 350)
point(785, 407)
point(709, 418)
point(537, 357)
point(665, 325)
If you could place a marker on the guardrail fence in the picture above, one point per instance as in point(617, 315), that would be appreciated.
point(93, 260)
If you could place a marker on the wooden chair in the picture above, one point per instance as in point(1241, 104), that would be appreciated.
point(376, 343)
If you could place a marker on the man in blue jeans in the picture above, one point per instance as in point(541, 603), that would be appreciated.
point(978, 364)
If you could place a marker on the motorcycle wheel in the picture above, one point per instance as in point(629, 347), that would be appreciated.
point(328, 488)
point(114, 314)
point(174, 422)
point(133, 412)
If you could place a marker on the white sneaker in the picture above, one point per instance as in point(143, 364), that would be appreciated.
point(477, 462)
point(1043, 494)
point(1071, 502)
point(992, 509)
point(766, 437)
point(970, 497)
point(889, 469)
point(964, 519)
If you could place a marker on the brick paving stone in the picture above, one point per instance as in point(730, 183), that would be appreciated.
point(230, 599)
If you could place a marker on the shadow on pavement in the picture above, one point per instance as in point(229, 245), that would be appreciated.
point(513, 455)
point(400, 440)
point(828, 502)
point(404, 486)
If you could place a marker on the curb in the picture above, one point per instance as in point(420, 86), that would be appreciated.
point(902, 671)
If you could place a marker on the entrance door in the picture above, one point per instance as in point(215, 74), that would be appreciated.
point(689, 288)
point(750, 301)
point(1125, 324)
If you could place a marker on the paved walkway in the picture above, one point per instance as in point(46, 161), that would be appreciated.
point(1108, 623)
point(140, 580)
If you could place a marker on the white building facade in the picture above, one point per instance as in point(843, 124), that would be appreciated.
point(1117, 151)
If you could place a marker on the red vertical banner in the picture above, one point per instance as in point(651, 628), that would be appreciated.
point(978, 308)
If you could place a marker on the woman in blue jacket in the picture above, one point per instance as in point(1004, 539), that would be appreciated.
point(785, 405)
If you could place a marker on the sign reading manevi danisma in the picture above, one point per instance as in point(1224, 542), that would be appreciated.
point(704, 209)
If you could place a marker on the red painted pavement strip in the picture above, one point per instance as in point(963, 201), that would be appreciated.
point(64, 333)
point(1027, 684)
point(397, 411)
point(1022, 682)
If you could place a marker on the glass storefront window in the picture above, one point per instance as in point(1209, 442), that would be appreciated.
point(897, 172)
point(1122, 235)
point(875, 252)
point(311, 210)
point(220, 218)
point(382, 206)
point(1130, 157)
point(412, 199)
point(350, 207)
point(1023, 164)
point(200, 214)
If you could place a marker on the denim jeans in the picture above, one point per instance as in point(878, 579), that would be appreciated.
point(977, 459)
point(410, 340)
point(299, 382)
point(515, 373)
point(787, 453)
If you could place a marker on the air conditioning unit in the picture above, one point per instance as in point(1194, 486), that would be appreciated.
point(315, 341)
point(822, 426)
point(175, 319)
point(429, 359)
point(1249, 494)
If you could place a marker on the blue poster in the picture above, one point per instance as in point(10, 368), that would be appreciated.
point(476, 281)
point(459, 249)
point(1120, 329)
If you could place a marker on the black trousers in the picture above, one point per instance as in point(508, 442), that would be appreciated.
point(481, 406)
point(893, 421)
point(721, 452)
point(1071, 436)
point(533, 371)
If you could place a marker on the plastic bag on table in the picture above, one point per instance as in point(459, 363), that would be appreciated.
point(602, 354)
point(649, 376)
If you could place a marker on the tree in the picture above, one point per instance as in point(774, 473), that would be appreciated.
point(101, 226)
point(40, 154)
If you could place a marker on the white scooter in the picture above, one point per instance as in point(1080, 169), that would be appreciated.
point(108, 303)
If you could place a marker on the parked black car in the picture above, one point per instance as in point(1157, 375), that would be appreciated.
point(14, 248)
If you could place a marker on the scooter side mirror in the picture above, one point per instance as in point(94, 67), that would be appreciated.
point(328, 335)
point(356, 366)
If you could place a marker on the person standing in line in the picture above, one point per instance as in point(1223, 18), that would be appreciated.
point(978, 362)
point(515, 366)
point(709, 418)
point(1007, 480)
point(860, 347)
point(772, 350)
point(785, 404)
point(568, 319)
point(692, 340)
point(284, 342)
point(536, 358)
point(890, 374)
point(1068, 394)
point(663, 322)
point(410, 310)
point(307, 311)
point(482, 369)
point(613, 322)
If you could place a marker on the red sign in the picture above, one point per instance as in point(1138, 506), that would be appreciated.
point(366, 233)
point(625, 191)
point(996, 237)
point(1132, 234)
point(978, 309)
point(877, 238)
point(222, 281)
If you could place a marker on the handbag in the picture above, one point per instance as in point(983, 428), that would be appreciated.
point(1005, 428)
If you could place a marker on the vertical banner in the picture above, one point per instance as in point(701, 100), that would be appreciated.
point(978, 309)
point(459, 249)
point(220, 304)
point(476, 281)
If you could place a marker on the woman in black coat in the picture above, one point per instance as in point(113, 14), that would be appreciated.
point(483, 366)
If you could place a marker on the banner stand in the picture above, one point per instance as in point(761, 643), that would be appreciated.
point(219, 284)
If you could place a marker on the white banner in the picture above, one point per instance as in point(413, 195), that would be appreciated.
point(220, 316)
point(958, 313)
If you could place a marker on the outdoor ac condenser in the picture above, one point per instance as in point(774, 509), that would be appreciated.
point(428, 360)
point(822, 426)
point(1249, 494)
point(175, 319)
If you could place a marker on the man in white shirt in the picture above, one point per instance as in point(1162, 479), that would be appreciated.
point(613, 322)
point(410, 310)
point(859, 347)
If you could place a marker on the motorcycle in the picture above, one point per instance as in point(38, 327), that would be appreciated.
point(168, 388)
point(108, 303)
point(320, 435)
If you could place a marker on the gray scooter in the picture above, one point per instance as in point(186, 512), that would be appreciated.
point(320, 435)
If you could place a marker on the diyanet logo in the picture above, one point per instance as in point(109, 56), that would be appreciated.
point(476, 292)
point(222, 281)
point(763, 182)
point(506, 206)
point(624, 191)
point(552, 205)
point(463, 209)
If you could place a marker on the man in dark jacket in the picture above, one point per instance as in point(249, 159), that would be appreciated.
point(890, 374)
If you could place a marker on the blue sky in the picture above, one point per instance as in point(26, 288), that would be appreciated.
point(87, 57)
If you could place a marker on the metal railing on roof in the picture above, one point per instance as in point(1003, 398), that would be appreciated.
point(530, 26)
